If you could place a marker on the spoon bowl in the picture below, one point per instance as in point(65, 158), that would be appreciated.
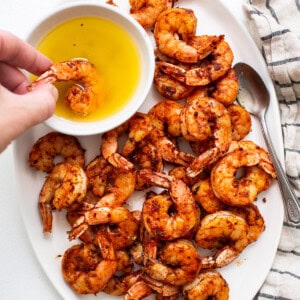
point(254, 96)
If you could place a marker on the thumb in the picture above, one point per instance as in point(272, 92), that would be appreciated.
point(20, 112)
point(39, 104)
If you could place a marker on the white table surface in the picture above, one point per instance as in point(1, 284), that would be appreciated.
point(21, 276)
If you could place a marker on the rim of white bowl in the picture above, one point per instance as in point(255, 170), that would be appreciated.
point(139, 35)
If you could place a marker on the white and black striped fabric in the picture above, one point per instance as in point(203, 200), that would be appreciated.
point(275, 26)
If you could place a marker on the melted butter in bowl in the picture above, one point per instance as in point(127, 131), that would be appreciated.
point(111, 50)
point(120, 50)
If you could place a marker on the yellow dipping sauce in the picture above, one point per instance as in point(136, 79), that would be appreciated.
point(110, 48)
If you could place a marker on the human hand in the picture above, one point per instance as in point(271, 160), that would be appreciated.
point(19, 109)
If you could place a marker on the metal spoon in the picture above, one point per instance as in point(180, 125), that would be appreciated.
point(256, 99)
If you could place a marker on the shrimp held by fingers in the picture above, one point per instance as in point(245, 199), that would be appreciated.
point(64, 186)
point(82, 97)
point(52, 144)
point(87, 268)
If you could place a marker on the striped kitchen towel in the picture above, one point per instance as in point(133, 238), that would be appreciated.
point(275, 26)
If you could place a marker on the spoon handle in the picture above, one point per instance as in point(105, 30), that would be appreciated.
point(291, 202)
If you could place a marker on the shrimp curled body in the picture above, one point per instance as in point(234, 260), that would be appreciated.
point(88, 267)
point(82, 97)
point(155, 213)
point(64, 186)
point(52, 144)
point(209, 284)
point(178, 21)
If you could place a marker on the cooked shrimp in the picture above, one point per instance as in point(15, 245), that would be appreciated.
point(166, 114)
point(169, 150)
point(109, 148)
point(241, 190)
point(240, 121)
point(118, 194)
point(53, 144)
point(64, 186)
point(171, 24)
point(226, 89)
point(139, 127)
point(125, 224)
point(205, 196)
point(168, 86)
point(212, 68)
point(89, 236)
point(194, 121)
point(156, 210)
point(179, 263)
point(161, 288)
point(138, 291)
point(87, 268)
point(219, 117)
point(97, 172)
point(205, 44)
point(264, 161)
point(226, 231)
point(253, 218)
point(147, 11)
point(209, 284)
point(83, 97)
point(119, 285)
point(147, 156)
point(122, 234)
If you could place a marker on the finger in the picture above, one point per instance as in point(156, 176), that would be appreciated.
point(18, 53)
point(20, 112)
point(13, 79)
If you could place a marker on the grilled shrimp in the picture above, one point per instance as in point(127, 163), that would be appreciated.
point(254, 219)
point(205, 196)
point(168, 86)
point(87, 268)
point(205, 44)
point(147, 11)
point(97, 172)
point(119, 285)
point(83, 97)
point(225, 231)
point(122, 234)
point(155, 213)
point(243, 190)
point(240, 121)
point(209, 284)
point(179, 263)
point(165, 116)
point(138, 127)
point(216, 65)
point(218, 116)
point(52, 144)
point(64, 186)
point(120, 191)
point(171, 23)
point(138, 291)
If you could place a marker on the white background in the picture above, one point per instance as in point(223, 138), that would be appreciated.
point(21, 276)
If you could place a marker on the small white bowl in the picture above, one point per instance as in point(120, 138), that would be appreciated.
point(144, 46)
